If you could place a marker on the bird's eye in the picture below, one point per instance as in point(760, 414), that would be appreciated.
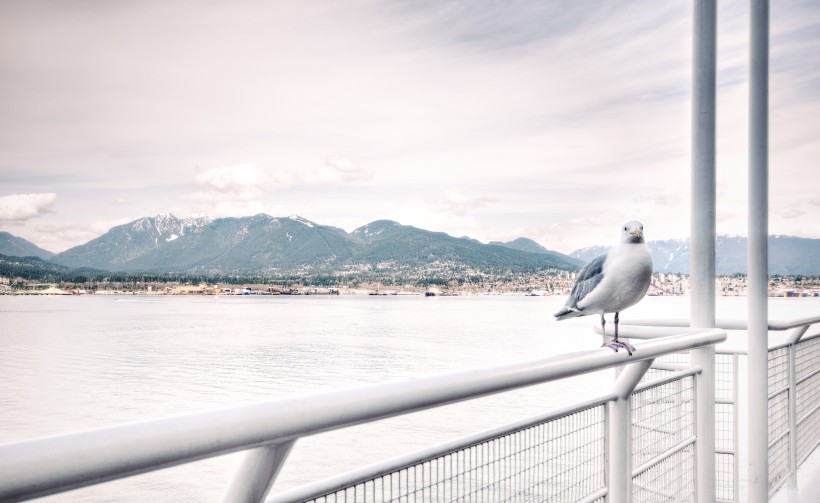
point(625, 228)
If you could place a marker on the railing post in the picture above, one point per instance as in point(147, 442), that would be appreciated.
point(793, 415)
point(619, 437)
point(736, 426)
point(705, 424)
point(256, 473)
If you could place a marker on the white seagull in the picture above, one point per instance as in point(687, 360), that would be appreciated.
point(612, 282)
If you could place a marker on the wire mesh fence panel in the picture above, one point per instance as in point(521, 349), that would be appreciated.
point(725, 455)
point(778, 369)
point(778, 392)
point(725, 477)
point(664, 365)
point(807, 376)
point(725, 377)
point(671, 480)
point(725, 426)
point(808, 356)
point(663, 419)
point(725, 416)
point(808, 429)
point(560, 460)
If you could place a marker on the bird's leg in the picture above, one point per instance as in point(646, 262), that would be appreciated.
point(629, 347)
point(603, 334)
point(615, 344)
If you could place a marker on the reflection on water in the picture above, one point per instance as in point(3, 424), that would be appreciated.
point(83, 362)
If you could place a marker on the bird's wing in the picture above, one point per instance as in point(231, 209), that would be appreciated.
point(586, 281)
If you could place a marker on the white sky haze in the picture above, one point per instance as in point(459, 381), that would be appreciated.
point(553, 120)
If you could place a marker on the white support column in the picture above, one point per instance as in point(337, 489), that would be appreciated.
point(703, 183)
point(703, 211)
point(758, 253)
point(256, 473)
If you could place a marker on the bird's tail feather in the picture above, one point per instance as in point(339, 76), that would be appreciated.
point(567, 312)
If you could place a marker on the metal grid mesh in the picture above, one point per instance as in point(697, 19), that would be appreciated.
point(778, 438)
point(679, 359)
point(807, 361)
point(725, 430)
point(778, 369)
point(673, 479)
point(725, 477)
point(808, 357)
point(725, 406)
point(561, 460)
point(808, 396)
point(724, 377)
point(725, 447)
point(778, 416)
point(725, 417)
point(662, 417)
point(808, 433)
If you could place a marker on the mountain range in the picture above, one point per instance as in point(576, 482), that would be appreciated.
point(262, 244)
point(788, 255)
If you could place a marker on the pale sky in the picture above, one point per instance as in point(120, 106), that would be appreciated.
point(553, 120)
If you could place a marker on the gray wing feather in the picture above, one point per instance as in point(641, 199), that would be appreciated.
point(586, 281)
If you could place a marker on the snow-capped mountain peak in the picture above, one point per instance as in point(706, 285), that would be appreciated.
point(304, 221)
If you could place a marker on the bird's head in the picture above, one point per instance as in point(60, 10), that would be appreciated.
point(632, 232)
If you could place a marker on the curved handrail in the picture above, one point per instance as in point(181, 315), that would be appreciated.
point(652, 328)
point(39, 467)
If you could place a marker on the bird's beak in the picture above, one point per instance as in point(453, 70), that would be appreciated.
point(635, 233)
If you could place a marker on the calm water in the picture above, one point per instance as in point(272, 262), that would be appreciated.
point(75, 363)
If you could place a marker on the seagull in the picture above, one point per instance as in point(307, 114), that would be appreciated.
point(612, 282)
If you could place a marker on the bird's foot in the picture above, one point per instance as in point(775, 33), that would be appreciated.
point(614, 345)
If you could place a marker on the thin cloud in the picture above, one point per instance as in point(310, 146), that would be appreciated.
point(456, 203)
point(238, 178)
point(337, 170)
point(22, 207)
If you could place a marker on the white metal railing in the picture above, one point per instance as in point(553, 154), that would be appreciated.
point(621, 464)
point(792, 396)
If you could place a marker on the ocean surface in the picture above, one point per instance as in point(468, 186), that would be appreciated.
point(82, 362)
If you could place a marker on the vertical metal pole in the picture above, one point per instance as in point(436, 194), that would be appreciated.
point(619, 437)
point(705, 424)
point(703, 224)
point(703, 166)
point(793, 415)
point(736, 426)
point(256, 473)
point(619, 447)
point(758, 253)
